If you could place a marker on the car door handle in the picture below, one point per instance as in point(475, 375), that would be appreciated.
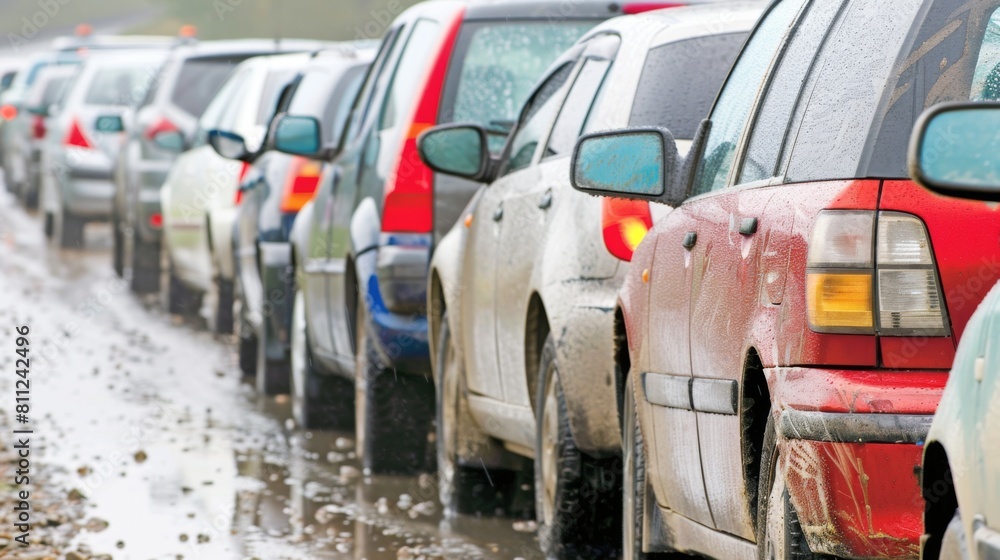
point(545, 202)
point(748, 227)
point(498, 214)
point(690, 238)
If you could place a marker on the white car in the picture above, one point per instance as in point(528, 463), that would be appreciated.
point(522, 290)
point(200, 194)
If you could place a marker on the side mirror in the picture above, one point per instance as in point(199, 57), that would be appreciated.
point(228, 144)
point(955, 150)
point(170, 140)
point(635, 163)
point(300, 136)
point(456, 149)
point(109, 124)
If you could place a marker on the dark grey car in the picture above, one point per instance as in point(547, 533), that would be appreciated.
point(162, 126)
point(278, 185)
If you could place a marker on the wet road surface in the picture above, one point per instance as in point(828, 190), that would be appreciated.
point(150, 419)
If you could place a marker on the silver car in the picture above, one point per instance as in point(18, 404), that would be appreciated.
point(85, 136)
point(26, 148)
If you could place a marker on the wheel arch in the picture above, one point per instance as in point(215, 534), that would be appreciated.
point(623, 363)
point(755, 409)
point(536, 330)
point(940, 499)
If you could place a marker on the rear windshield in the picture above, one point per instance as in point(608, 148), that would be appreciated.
point(500, 63)
point(53, 90)
point(199, 80)
point(122, 86)
point(680, 81)
point(882, 67)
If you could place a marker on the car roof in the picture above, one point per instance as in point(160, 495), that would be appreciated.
point(210, 49)
point(675, 24)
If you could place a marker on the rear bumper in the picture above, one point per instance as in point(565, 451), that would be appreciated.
point(151, 176)
point(852, 462)
point(401, 339)
point(88, 194)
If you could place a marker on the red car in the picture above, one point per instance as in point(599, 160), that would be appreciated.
point(787, 329)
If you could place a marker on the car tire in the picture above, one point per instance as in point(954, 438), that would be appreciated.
point(181, 300)
point(320, 400)
point(577, 500)
point(31, 197)
point(146, 268)
point(117, 246)
point(223, 317)
point(394, 411)
point(954, 545)
point(70, 231)
point(273, 376)
point(246, 336)
point(779, 535)
point(49, 226)
point(635, 489)
point(465, 485)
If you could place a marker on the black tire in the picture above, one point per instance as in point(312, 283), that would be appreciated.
point(273, 376)
point(394, 412)
point(247, 338)
point(71, 231)
point(224, 298)
point(777, 539)
point(146, 269)
point(635, 489)
point(181, 300)
point(465, 485)
point(577, 497)
point(320, 400)
point(31, 197)
point(117, 246)
point(954, 545)
point(49, 226)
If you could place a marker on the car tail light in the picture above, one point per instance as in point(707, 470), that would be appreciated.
point(640, 7)
point(156, 220)
point(8, 112)
point(244, 168)
point(158, 127)
point(408, 206)
point(38, 127)
point(625, 224)
point(75, 136)
point(870, 273)
point(303, 176)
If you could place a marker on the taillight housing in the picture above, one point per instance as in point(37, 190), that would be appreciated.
point(38, 127)
point(303, 177)
point(871, 273)
point(624, 224)
point(244, 168)
point(632, 8)
point(75, 136)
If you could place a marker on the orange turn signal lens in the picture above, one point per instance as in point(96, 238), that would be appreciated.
point(840, 302)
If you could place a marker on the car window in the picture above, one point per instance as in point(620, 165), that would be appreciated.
point(199, 79)
point(53, 90)
point(213, 115)
point(535, 120)
point(670, 96)
point(339, 104)
point(120, 86)
point(787, 84)
point(576, 108)
point(400, 99)
point(732, 109)
point(364, 99)
point(498, 65)
point(986, 80)
point(274, 83)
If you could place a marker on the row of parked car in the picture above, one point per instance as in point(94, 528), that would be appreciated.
point(736, 349)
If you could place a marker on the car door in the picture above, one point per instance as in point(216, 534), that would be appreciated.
point(484, 256)
point(529, 205)
point(732, 226)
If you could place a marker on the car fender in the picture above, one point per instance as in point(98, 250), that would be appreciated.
point(364, 229)
point(299, 237)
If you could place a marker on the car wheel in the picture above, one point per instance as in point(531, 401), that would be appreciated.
point(393, 410)
point(181, 300)
point(319, 399)
point(954, 545)
point(779, 535)
point(117, 246)
point(273, 376)
point(577, 504)
point(465, 484)
point(50, 225)
point(145, 265)
point(224, 295)
point(70, 231)
point(246, 337)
